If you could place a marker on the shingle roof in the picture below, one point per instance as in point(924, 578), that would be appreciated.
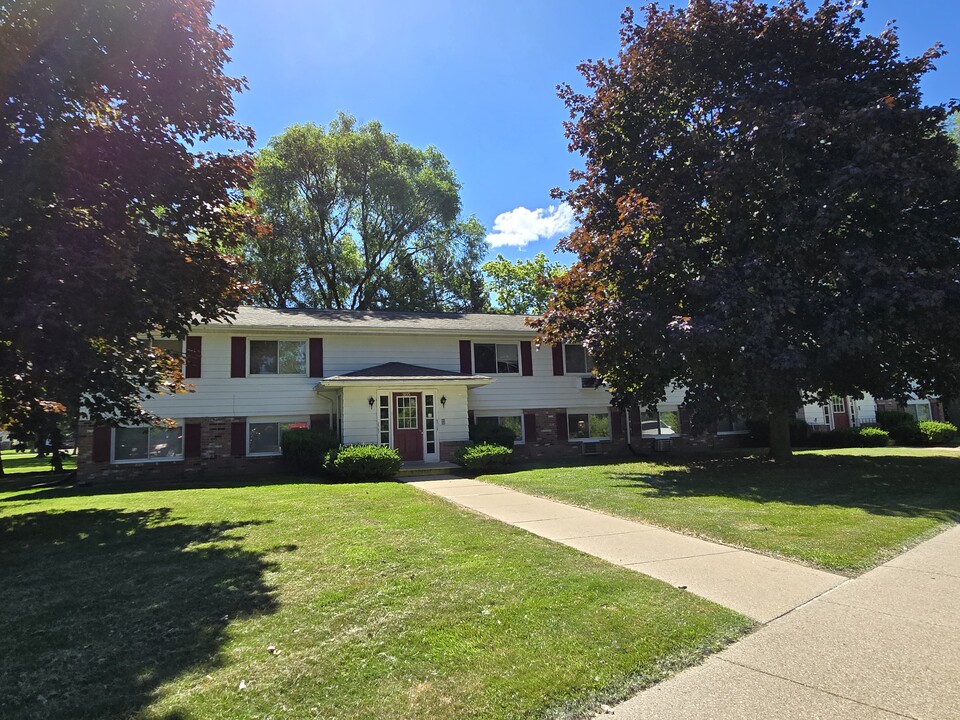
point(254, 317)
point(394, 370)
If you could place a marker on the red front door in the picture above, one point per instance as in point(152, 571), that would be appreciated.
point(841, 415)
point(408, 426)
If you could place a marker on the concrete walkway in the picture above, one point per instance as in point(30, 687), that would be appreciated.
point(760, 587)
point(885, 645)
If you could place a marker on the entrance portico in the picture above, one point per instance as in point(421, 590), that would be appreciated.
point(415, 409)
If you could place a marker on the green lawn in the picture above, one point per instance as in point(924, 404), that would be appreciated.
point(379, 602)
point(16, 462)
point(843, 510)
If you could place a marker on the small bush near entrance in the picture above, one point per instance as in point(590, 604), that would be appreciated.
point(365, 462)
point(907, 433)
point(492, 435)
point(306, 450)
point(874, 437)
point(485, 456)
point(937, 433)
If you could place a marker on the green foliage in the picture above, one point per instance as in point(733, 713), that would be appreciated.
point(888, 419)
point(492, 435)
point(365, 462)
point(484, 456)
point(749, 173)
point(850, 438)
point(306, 450)
point(874, 437)
point(361, 220)
point(116, 218)
point(937, 433)
point(524, 287)
point(906, 433)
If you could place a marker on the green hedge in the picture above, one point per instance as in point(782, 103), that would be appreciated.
point(364, 462)
point(485, 456)
point(306, 450)
point(850, 437)
point(889, 419)
point(937, 433)
point(907, 433)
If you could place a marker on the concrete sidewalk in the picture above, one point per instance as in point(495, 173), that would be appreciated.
point(885, 645)
point(758, 586)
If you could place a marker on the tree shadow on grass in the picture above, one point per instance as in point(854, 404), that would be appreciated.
point(101, 607)
point(883, 485)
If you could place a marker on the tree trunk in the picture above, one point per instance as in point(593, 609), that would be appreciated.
point(1, 463)
point(780, 450)
point(55, 456)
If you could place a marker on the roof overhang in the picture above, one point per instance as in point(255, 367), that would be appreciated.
point(337, 382)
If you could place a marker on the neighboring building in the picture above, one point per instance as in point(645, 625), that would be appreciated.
point(413, 381)
point(840, 412)
point(928, 408)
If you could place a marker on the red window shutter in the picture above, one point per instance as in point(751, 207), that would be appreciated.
point(238, 439)
point(466, 362)
point(526, 358)
point(558, 359)
point(529, 427)
point(683, 415)
point(238, 357)
point(191, 440)
point(616, 423)
point(562, 426)
point(101, 443)
point(316, 357)
point(320, 422)
point(194, 346)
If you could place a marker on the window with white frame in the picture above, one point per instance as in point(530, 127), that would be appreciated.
point(384, 420)
point(278, 357)
point(430, 423)
point(588, 426)
point(920, 411)
point(837, 404)
point(500, 358)
point(171, 346)
point(264, 436)
point(576, 360)
point(145, 444)
point(664, 421)
point(514, 422)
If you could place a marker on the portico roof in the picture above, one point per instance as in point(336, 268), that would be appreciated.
point(403, 373)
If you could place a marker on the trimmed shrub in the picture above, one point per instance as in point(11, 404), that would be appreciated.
point(907, 433)
point(937, 433)
point(306, 450)
point(837, 438)
point(490, 434)
point(874, 437)
point(889, 419)
point(485, 456)
point(365, 462)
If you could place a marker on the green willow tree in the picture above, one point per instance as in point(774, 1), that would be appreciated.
point(361, 220)
point(768, 212)
point(523, 287)
point(111, 225)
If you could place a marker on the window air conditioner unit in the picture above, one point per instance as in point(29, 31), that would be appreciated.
point(590, 448)
point(589, 382)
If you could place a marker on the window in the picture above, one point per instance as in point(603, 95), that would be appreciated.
point(406, 412)
point(588, 426)
point(577, 360)
point(666, 422)
point(496, 358)
point(171, 346)
point(837, 404)
point(731, 424)
point(147, 443)
point(384, 421)
point(278, 357)
point(920, 411)
point(514, 422)
point(263, 438)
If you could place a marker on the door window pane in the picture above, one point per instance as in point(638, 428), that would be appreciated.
point(406, 412)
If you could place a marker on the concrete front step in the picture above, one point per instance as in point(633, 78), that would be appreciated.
point(420, 469)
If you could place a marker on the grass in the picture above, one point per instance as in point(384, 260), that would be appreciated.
point(28, 462)
point(842, 510)
point(379, 602)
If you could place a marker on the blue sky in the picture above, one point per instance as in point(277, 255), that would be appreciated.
point(475, 79)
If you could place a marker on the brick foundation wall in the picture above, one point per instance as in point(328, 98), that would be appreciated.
point(215, 458)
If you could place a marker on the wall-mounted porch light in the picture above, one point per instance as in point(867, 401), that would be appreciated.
point(443, 400)
point(370, 402)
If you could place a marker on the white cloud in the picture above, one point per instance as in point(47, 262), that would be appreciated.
point(521, 226)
